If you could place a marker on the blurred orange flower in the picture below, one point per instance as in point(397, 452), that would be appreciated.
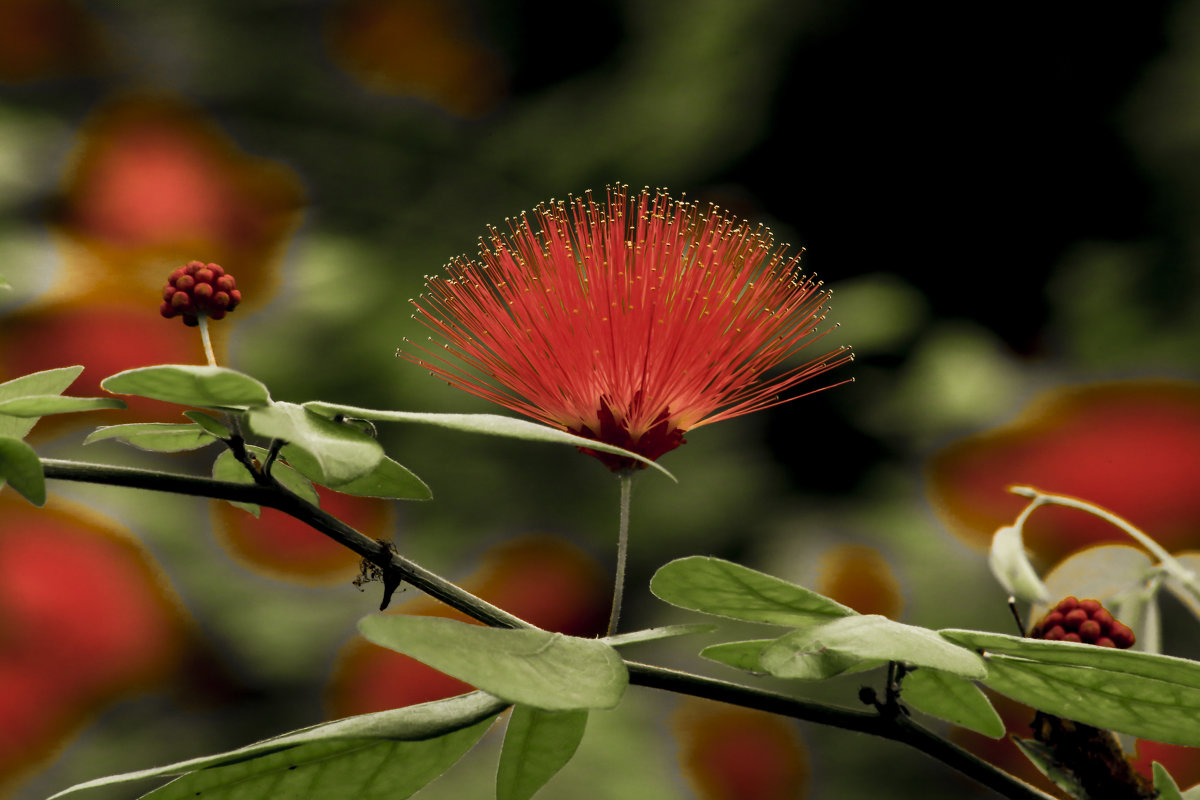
point(1131, 447)
point(417, 48)
point(541, 579)
point(858, 576)
point(86, 620)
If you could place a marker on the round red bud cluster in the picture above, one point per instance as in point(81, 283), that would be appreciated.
point(199, 288)
point(1086, 621)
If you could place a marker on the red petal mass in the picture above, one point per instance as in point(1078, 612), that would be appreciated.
point(628, 322)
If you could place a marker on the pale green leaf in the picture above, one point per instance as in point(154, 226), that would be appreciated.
point(427, 721)
point(726, 589)
point(323, 450)
point(1164, 784)
point(538, 668)
point(51, 381)
point(1146, 695)
point(39, 405)
point(869, 637)
point(159, 437)
point(489, 424)
point(654, 634)
point(1011, 566)
point(953, 699)
point(1044, 759)
point(745, 655)
point(189, 385)
point(537, 744)
point(209, 423)
point(22, 469)
point(368, 770)
point(228, 468)
point(390, 480)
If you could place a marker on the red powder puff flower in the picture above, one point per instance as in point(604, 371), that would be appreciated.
point(629, 323)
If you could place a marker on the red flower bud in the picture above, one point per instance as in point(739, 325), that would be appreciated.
point(198, 288)
point(1073, 620)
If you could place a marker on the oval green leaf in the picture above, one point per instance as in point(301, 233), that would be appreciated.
point(1147, 695)
point(22, 469)
point(746, 656)
point(1012, 568)
point(40, 405)
point(389, 480)
point(51, 381)
point(323, 450)
point(427, 721)
point(869, 637)
point(489, 424)
point(209, 423)
point(228, 468)
point(157, 437)
point(726, 589)
point(537, 668)
point(189, 385)
point(953, 699)
point(537, 744)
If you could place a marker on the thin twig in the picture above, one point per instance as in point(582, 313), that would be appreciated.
point(895, 727)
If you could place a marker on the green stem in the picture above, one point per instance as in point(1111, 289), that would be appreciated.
point(625, 478)
point(896, 727)
point(1172, 567)
point(204, 337)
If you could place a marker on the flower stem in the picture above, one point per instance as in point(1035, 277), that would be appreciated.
point(204, 337)
point(625, 478)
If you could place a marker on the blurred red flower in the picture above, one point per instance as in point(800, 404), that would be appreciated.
point(284, 547)
point(731, 753)
point(541, 579)
point(1131, 447)
point(105, 338)
point(629, 323)
point(154, 184)
point(86, 620)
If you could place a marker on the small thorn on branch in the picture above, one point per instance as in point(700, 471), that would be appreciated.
point(380, 568)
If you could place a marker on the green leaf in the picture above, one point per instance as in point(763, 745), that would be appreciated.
point(1011, 566)
point(22, 469)
point(953, 699)
point(489, 424)
point(868, 637)
point(51, 381)
point(188, 385)
point(726, 589)
point(1044, 759)
point(389, 480)
point(654, 634)
point(228, 468)
point(538, 668)
point(1164, 784)
point(159, 437)
point(745, 655)
point(1146, 695)
point(323, 450)
point(537, 744)
point(39, 405)
point(209, 423)
point(427, 721)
